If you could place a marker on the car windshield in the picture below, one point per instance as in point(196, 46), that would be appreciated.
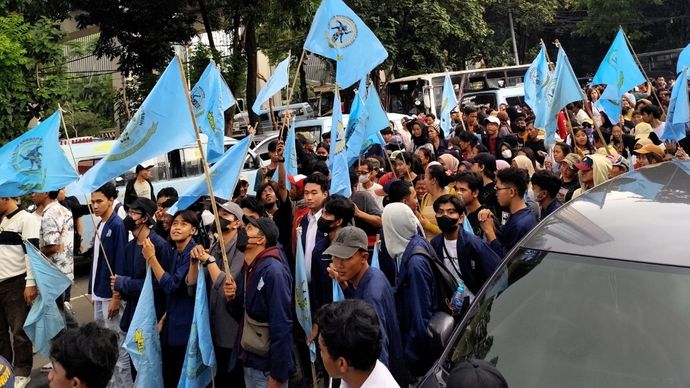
point(558, 320)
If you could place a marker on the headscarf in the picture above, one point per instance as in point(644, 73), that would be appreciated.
point(502, 164)
point(524, 163)
point(423, 138)
point(399, 226)
point(451, 162)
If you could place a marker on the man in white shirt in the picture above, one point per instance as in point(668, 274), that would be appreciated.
point(315, 194)
point(349, 338)
point(367, 180)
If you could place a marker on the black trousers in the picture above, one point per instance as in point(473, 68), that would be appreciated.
point(13, 312)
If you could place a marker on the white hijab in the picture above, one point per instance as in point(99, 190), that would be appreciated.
point(399, 226)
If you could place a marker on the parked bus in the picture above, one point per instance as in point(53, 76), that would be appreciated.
point(423, 93)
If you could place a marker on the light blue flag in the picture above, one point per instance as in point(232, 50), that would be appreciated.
point(339, 34)
point(44, 320)
point(375, 256)
point(34, 162)
point(224, 176)
point(278, 80)
point(356, 109)
point(142, 341)
point(338, 295)
point(211, 96)
point(683, 59)
point(618, 71)
point(466, 226)
point(565, 90)
point(449, 102)
point(162, 124)
point(678, 109)
point(290, 156)
point(538, 80)
point(367, 131)
point(610, 103)
point(302, 307)
point(200, 359)
point(340, 175)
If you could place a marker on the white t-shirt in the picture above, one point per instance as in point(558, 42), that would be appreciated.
point(380, 377)
point(94, 265)
point(310, 240)
point(451, 261)
point(143, 189)
point(372, 190)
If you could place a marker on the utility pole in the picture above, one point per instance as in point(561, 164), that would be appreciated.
point(512, 36)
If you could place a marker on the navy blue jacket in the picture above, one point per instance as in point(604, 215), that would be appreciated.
point(321, 286)
point(112, 240)
point(476, 260)
point(374, 289)
point(553, 206)
point(267, 299)
point(180, 305)
point(518, 225)
point(130, 282)
point(414, 297)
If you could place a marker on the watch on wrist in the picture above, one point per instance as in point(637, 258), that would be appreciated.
point(208, 261)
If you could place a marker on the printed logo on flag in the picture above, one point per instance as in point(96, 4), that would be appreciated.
point(343, 31)
point(198, 97)
point(613, 57)
point(27, 158)
point(134, 137)
point(139, 340)
point(6, 374)
point(340, 138)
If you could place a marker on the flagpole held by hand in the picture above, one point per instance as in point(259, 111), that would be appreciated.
point(204, 163)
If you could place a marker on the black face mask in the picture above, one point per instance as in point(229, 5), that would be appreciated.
point(242, 240)
point(324, 225)
point(322, 157)
point(130, 224)
point(447, 224)
point(224, 225)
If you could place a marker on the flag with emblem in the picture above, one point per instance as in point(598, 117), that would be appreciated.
point(34, 162)
point(620, 73)
point(565, 90)
point(449, 102)
point(537, 80)
point(340, 175)
point(339, 34)
point(278, 80)
point(302, 307)
point(200, 359)
point(44, 320)
point(211, 96)
point(224, 176)
point(142, 341)
point(678, 110)
point(162, 124)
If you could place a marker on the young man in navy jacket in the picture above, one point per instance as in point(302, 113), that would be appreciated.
point(511, 185)
point(263, 292)
point(466, 256)
point(109, 256)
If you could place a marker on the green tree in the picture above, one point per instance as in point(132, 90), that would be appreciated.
point(31, 72)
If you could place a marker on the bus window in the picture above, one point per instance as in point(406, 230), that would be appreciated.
point(84, 165)
point(175, 164)
point(191, 165)
point(515, 101)
point(402, 97)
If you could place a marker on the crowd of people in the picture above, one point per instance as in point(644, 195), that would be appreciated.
point(424, 200)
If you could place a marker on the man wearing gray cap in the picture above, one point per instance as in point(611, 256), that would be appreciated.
point(224, 327)
point(350, 267)
point(264, 291)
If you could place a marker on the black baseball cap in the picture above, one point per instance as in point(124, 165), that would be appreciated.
point(144, 205)
point(266, 226)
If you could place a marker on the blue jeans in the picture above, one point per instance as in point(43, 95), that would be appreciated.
point(254, 378)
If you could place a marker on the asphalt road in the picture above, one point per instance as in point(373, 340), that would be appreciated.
point(83, 311)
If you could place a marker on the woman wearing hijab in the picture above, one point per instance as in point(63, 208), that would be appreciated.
point(523, 162)
point(415, 284)
point(420, 134)
point(450, 163)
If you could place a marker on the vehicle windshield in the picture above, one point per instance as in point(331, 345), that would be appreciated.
point(406, 97)
point(558, 320)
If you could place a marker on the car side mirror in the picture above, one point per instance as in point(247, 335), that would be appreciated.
point(440, 329)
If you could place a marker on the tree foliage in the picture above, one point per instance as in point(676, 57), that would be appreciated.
point(31, 72)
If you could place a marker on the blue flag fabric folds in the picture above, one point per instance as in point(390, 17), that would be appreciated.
point(565, 90)
point(367, 126)
point(340, 175)
point(449, 102)
point(142, 341)
point(224, 176)
point(678, 109)
point(162, 123)
point(302, 307)
point(683, 59)
point(339, 34)
point(375, 256)
point(338, 295)
point(618, 71)
point(44, 320)
point(278, 80)
point(466, 226)
point(34, 162)
point(200, 359)
point(211, 96)
point(538, 80)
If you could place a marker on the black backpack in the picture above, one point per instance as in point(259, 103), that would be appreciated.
point(444, 281)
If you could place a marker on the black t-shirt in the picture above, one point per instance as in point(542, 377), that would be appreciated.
point(283, 220)
point(566, 192)
point(536, 146)
point(473, 218)
point(487, 197)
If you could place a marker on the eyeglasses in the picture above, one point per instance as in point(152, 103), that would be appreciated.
point(134, 213)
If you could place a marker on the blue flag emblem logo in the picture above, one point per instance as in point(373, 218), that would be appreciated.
point(27, 159)
point(135, 136)
point(343, 31)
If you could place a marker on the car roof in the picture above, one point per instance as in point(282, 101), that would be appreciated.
point(640, 216)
